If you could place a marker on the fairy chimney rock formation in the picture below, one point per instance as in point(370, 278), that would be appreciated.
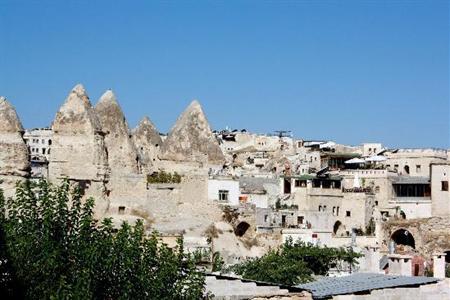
point(13, 150)
point(191, 138)
point(14, 163)
point(78, 149)
point(148, 142)
point(122, 154)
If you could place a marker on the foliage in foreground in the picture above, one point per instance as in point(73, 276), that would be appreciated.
point(52, 248)
point(295, 262)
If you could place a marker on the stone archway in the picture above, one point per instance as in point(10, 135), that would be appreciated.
point(403, 237)
point(338, 228)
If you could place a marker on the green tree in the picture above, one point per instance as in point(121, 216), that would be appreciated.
point(295, 262)
point(51, 247)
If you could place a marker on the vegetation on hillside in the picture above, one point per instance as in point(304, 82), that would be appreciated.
point(296, 262)
point(164, 177)
point(51, 247)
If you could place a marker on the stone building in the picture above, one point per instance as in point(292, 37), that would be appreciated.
point(39, 142)
point(440, 194)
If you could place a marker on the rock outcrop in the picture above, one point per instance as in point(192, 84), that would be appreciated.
point(122, 154)
point(191, 138)
point(148, 143)
point(14, 161)
point(78, 150)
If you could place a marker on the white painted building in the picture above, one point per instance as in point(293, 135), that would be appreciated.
point(39, 141)
point(224, 190)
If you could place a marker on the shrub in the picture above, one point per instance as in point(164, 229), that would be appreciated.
point(51, 247)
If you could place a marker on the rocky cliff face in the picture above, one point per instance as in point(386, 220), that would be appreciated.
point(122, 154)
point(191, 138)
point(14, 162)
point(148, 143)
point(78, 151)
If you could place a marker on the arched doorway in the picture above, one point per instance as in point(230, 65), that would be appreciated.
point(403, 237)
point(338, 228)
point(241, 229)
point(402, 215)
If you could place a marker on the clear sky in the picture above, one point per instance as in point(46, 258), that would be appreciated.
point(350, 71)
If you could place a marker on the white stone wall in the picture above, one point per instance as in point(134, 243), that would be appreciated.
point(230, 185)
point(440, 199)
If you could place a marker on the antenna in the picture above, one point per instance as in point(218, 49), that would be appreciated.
point(283, 133)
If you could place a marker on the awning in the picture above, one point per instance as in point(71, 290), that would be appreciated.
point(376, 158)
point(355, 161)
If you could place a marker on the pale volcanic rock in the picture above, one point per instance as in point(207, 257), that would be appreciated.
point(14, 162)
point(122, 154)
point(78, 151)
point(191, 138)
point(76, 116)
point(148, 142)
point(13, 150)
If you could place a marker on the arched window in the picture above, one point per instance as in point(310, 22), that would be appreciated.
point(406, 168)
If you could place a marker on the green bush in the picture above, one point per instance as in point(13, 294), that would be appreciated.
point(163, 177)
point(295, 263)
point(51, 247)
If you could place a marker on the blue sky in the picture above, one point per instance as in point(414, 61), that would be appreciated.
point(350, 71)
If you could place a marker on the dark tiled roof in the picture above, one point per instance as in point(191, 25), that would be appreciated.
point(255, 184)
point(361, 282)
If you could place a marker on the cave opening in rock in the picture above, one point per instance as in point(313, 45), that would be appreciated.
point(241, 229)
point(403, 237)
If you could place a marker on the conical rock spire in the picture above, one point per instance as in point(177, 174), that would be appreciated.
point(122, 154)
point(14, 161)
point(9, 121)
point(190, 137)
point(78, 150)
point(76, 115)
point(148, 142)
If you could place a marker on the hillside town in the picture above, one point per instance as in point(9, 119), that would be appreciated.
point(241, 193)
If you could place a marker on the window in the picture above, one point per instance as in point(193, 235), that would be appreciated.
point(297, 183)
point(324, 208)
point(121, 210)
point(418, 168)
point(43, 141)
point(300, 220)
point(43, 150)
point(334, 210)
point(376, 203)
point(444, 185)
point(348, 213)
point(320, 207)
point(266, 218)
point(223, 195)
point(337, 211)
point(406, 168)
